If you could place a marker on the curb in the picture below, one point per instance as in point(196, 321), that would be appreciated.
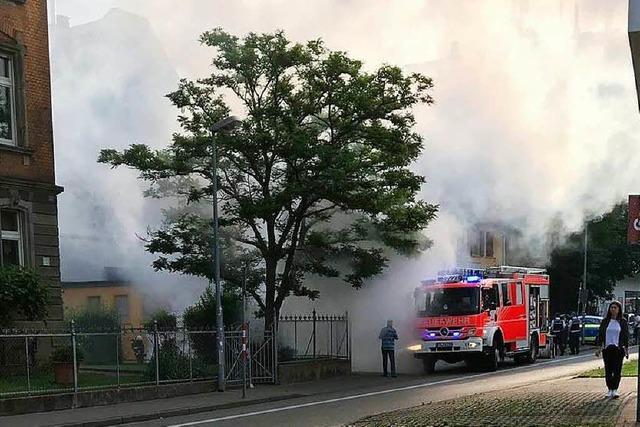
point(105, 422)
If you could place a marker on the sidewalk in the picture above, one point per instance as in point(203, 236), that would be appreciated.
point(503, 407)
point(562, 402)
point(163, 408)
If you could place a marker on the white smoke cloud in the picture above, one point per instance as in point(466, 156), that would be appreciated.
point(535, 116)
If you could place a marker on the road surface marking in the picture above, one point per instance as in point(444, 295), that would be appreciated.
point(373, 393)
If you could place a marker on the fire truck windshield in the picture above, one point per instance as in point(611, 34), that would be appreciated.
point(450, 301)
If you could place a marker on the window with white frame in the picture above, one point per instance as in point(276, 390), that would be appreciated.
point(7, 101)
point(12, 247)
point(476, 243)
point(481, 244)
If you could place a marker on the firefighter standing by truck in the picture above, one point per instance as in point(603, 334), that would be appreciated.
point(559, 330)
point(388, 336)
point(575, 333)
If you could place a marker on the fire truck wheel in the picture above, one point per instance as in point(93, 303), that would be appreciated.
point(494, 356)
point(532, 355)
point(429, 364)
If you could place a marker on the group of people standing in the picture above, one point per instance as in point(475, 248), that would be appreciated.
point(566, 330)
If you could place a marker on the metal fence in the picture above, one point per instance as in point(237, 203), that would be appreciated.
point(37, 362)
point(261, 356)
point(314, 336)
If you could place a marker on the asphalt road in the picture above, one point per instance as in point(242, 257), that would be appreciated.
point(343, 407)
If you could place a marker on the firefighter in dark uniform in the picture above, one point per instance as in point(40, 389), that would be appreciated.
point(575, 333)
point(558, 328)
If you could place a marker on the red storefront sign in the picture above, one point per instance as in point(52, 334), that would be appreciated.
point(633, 226)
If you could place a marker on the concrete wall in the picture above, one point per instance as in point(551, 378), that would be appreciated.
point(311, 370)
point(26, 405)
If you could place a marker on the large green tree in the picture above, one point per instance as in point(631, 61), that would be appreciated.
point(316, 179)
point(609, 259)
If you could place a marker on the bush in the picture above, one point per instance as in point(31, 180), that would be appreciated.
point(202, 316)
point(99, 349)
point(96, 319)
point(166, 321)
point(24, 292)
point(65, 355)
point(172, 363)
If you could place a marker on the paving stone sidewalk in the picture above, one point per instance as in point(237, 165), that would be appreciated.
point(568, 402)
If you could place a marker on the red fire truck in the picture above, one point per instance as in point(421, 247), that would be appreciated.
point(482, 316)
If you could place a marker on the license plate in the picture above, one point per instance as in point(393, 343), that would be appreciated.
point(444, 346)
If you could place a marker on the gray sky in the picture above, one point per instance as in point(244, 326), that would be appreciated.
point(535, 114)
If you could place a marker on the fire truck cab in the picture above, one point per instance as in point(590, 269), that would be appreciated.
point(482, 316)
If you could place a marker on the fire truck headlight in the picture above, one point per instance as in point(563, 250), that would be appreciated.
point(471, 331)
point(473, 345)
point(416, 347)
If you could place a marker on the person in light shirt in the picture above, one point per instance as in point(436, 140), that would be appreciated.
point(613, 342)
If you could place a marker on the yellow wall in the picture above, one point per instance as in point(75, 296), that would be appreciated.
point(78, 298)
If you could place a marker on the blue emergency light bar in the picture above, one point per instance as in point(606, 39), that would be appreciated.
point(469, 275)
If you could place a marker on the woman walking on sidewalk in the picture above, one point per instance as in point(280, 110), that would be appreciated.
point(613, 341)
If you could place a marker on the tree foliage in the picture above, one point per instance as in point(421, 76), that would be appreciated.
point(166, 321)
point(609, 259)
point(23, 293)
point(315, 180)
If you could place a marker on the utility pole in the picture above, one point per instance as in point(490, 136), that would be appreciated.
point(584, 269)
point(245, 331)
point(224, 124)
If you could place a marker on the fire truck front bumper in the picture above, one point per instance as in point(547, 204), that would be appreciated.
point(472, 344)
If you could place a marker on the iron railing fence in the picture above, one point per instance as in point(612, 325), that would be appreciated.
point(314, 336)
point(37, 362)
point(261, 356)
point(40, 362)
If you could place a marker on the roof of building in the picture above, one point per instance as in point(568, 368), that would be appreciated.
point(95, 284)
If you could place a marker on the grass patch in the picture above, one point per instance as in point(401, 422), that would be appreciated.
point(42, 382)
point(629, 369)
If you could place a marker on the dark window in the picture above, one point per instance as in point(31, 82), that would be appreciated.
point(488, 244)
point(452, 301)
point(489, 297)
point(477, 243)
point(505, 294)
point(8, 127)
point(12, 241)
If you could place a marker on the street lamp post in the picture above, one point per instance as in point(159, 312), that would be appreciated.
point(224, 124)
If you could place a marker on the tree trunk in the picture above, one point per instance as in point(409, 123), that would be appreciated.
point(270, 297)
